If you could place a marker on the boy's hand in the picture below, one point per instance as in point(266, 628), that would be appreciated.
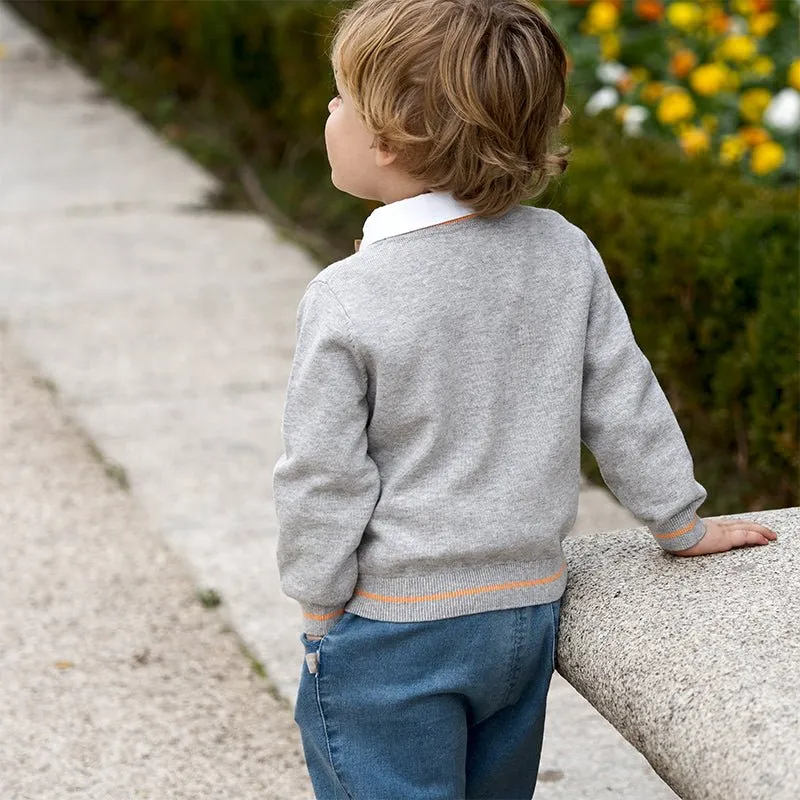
point(722, 536)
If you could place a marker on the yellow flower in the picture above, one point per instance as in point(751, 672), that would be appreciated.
point(767, 157)
point(684, 16)
point(694, 141)
point(609, 46)
point(709, 79)
point(676, 106)
point(732, 149)
point(652, 92)
point(601, 17)
point(794, 75)
point(738, 48)
point(753, 102)
point(620, 111)
point(743, 7)
point(639, 74)
point(709, 122)
point(763, 66)
point(762, 24)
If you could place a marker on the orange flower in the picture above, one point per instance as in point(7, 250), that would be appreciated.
point(650, 10)
point(682, 63)
point(625, 83)
point(753, 136)
point(718, 20)
point(762, 5)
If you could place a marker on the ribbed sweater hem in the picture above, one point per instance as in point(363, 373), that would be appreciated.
point(451, 594)
point(681, 532)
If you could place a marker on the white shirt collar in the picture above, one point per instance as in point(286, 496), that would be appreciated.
point(411, 214)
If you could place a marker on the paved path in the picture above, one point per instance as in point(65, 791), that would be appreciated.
point(167, 331)
point(115, 682)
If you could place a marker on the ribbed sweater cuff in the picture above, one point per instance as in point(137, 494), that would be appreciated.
point(318, 620)
point(681, 532)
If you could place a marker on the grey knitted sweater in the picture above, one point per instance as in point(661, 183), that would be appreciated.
point(442, 383)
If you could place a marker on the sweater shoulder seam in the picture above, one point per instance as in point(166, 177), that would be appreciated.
point(349, 327)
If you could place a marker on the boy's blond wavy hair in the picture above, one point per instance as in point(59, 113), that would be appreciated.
point(469, 93)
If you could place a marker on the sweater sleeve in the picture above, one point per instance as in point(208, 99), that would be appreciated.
point(629, 426)
point(325, 484)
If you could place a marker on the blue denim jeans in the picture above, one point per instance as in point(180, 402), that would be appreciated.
point(439, 710)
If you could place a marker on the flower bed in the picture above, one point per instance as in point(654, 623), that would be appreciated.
point(717, 76)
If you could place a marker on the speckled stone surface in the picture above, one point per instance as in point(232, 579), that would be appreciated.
point(695, 661)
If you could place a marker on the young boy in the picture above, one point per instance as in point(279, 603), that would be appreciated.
point(444, 378)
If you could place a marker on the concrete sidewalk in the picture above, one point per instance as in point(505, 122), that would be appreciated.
point(168, 331)
point(115, 682)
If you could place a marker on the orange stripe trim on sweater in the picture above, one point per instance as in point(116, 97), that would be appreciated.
point(677, 533)
point(457, 219)
point(324, 616)
point(461, 592)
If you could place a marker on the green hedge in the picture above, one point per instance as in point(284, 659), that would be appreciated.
point(706, 265)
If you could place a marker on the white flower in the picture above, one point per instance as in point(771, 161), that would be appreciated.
point(633, 118)
point(607, 97)
point(611, 71)
point(738, 26)
point(783, 112)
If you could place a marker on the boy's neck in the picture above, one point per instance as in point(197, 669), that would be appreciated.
point(400, 190)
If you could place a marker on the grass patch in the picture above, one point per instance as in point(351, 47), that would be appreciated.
point(46, 384)
point(115, 471)
point(258, 668)
point(209, 598)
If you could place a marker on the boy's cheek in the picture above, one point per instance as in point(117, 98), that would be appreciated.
point(327, 138)
point(329, 142)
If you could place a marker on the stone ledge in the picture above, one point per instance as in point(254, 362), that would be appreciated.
point(694, 661)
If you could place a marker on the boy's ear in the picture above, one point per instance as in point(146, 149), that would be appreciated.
point(383, 157)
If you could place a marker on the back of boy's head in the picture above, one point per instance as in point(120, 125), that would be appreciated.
point(469, 93)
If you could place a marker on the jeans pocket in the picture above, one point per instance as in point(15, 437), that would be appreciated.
point(315, 642)
point(313, 646)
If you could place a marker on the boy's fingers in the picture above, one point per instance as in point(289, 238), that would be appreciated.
point(752, 526)
point(726, 535)
point(749, 537)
